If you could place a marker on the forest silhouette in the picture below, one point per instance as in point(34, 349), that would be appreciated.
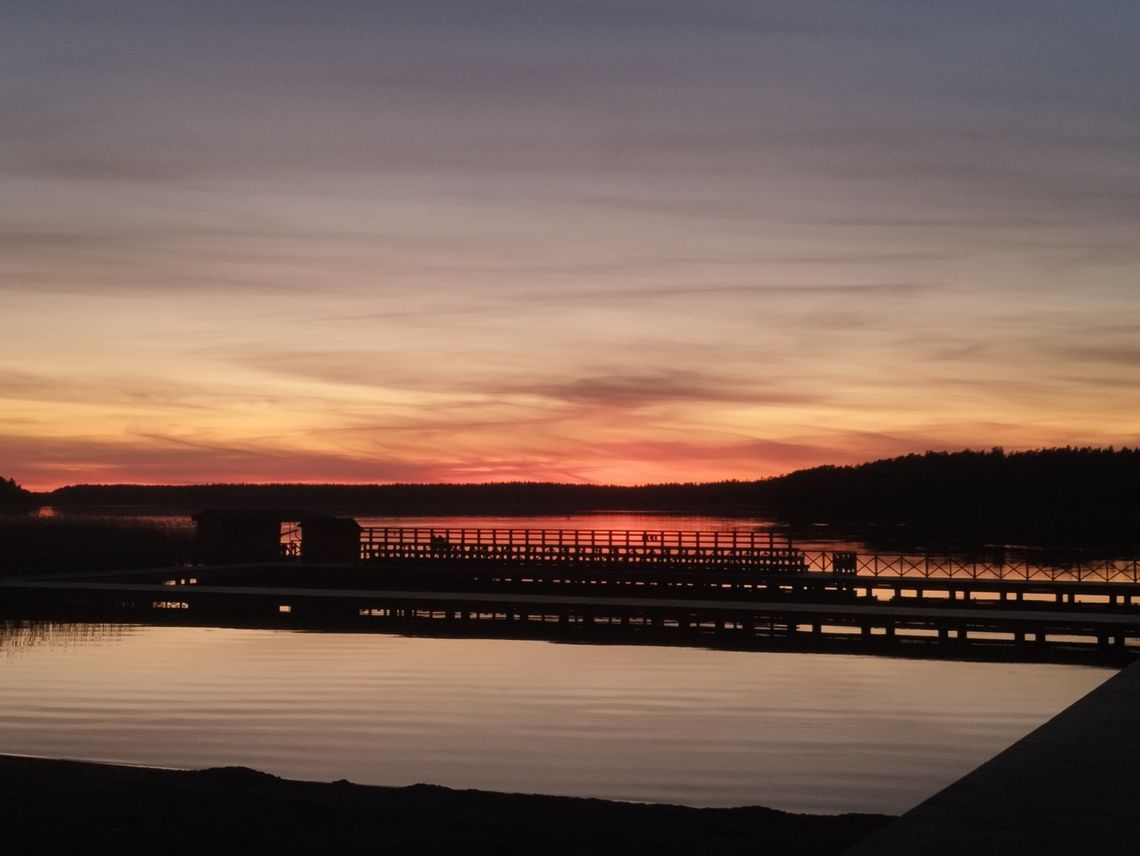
point(1060, 495)
point(14, 498)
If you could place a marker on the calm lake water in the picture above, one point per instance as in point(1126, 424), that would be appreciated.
point(803, 732)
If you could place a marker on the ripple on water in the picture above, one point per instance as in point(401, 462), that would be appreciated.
point(802, 732)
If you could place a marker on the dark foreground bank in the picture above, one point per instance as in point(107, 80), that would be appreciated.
point(66, 806)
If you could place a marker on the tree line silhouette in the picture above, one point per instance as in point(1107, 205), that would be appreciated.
point(422, 499)
point(1045, 496)
point(14, 499)
point(1041, 496)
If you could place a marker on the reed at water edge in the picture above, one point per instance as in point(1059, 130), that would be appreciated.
point(44, 545)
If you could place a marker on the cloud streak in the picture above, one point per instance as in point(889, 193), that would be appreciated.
point(632, 240)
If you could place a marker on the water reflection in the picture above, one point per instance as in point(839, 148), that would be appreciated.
point(796, 731)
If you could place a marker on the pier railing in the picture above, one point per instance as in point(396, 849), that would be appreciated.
point(745, 549)
point(956, 567)
point(742, 549)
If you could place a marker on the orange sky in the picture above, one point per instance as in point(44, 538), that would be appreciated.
point(594, 242)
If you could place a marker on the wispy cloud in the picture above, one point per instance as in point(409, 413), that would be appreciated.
point(615, 391)
point(625, 240)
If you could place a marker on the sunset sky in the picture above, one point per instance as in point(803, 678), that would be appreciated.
point(619, 241)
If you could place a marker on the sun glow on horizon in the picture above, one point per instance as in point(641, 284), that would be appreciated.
point(385, 245)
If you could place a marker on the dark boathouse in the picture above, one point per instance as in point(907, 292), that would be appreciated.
point(229, 536)
point(259, 535)
point(327, 540)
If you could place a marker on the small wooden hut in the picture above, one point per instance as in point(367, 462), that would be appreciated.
point(326, 539)
point(228, 536)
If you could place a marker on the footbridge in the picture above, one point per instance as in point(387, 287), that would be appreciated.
point(743, 589)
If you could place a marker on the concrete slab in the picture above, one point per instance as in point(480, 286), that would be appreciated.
point(1070, 788)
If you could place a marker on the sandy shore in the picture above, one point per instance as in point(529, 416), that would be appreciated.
point(61, 806)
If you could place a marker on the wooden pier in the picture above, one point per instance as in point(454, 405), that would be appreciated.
point(255, 596)
point(741, 550)
point(744, 550)
point(741, 589)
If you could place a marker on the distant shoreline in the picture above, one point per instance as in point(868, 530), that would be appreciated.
point(62, 805)
point(1081, 499)
point(1070, 497)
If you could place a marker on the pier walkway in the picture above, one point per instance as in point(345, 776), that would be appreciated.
point(1006, 632)
point(1066, 789)
point(742, 588)
point(737, 550)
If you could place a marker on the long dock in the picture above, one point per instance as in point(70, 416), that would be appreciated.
point(731, 549)
point(694, 549)
point(259, 595)
point(726, 588)
point(1066, 789)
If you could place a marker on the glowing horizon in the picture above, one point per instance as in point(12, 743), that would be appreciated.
point(614, 242)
